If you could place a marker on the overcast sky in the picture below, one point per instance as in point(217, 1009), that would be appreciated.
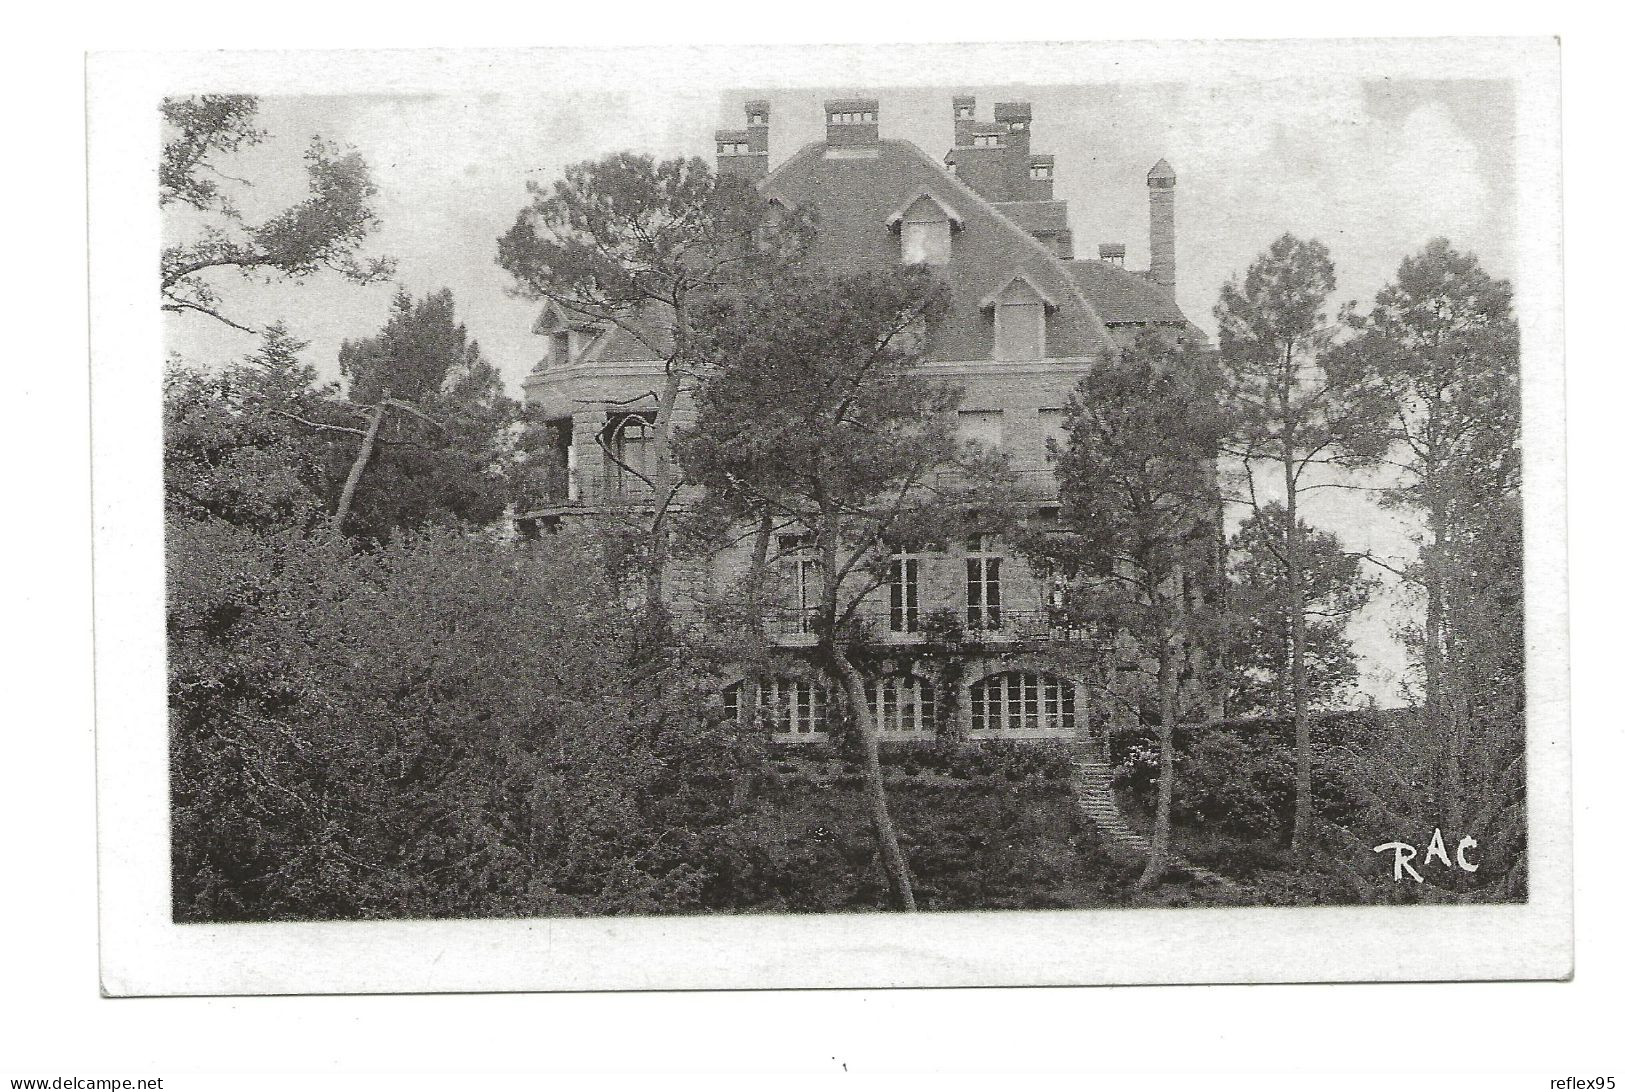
point(1373, 168)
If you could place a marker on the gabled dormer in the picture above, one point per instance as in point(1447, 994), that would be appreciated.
point(568, 336)
point(926, 225)
point(1020, 319)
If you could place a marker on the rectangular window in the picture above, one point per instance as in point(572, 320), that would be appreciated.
point(1018, 331)
point(984, 428)
point(627, 438)
point(1040, 171)
point(803, 566)
point(983, 598)
point(903, 580)
point(926, 242)
point(793, 707)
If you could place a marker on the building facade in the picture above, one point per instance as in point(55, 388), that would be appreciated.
point(972, 645)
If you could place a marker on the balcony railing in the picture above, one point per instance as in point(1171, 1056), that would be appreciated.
point(560, 487)
point(1037, 483)
point(970, 625)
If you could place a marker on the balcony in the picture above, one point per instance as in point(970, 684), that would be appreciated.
point(556, 488)
point(1029, 483)
point(962, 625)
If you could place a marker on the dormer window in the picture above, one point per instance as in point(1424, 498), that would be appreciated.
point(1041, 171)
point(1020, 313)
point(953, 168)
point(926, 226)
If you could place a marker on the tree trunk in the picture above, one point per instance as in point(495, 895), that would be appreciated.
point(368, 442)
point(1303, 803)
point(891, 853)
point(756, 627)
point(664, 487)
point(1167, 713)
point(1439, 703)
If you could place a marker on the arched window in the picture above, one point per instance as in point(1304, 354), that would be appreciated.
point(786, 706)
point(902, 705)
point(1023, 702)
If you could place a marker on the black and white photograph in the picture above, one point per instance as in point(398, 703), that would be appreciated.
point(1035, 529)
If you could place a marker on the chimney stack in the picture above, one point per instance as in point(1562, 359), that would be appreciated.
point(964, 118)
point(743, 152)
point(852, 126)
point(1019, 142)
point(1040, 178)
point(1160, 182)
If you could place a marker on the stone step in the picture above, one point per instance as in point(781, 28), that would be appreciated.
point(1096, 798)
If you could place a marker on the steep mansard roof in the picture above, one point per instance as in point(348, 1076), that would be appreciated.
point(853, 198)
point(858, 200)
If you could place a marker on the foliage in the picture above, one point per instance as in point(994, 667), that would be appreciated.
point(1137, 509)
point(634, 246)
point(816, 413)
point(448, 460)
point(1291, 414)
point(1258, 651)
point(1436, 362)
point(361, 735)
point(1234, 783)
point(817, 403)
point(262, 444)
point(228, 454)
point(323, 231)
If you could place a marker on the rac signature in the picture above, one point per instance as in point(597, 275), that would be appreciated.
point(1404, 853)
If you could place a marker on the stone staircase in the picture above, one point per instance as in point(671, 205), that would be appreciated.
point(1092, 787)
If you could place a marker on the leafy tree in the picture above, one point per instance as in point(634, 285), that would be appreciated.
point(817, 414)
point(1136, 531)
point(1436, 361)
point(424, 392)
point(230, 453)
point(323, 231)
point(437, 727)
point(636, 246)
point(1289, 414)
point(1260, 651)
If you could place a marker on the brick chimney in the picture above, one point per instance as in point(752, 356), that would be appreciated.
point(1019, 142)
point(983, 163)
point(964, 118)
point(1160, 182)
point(743, 152)
point(1039, 180)
point(852, 126)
